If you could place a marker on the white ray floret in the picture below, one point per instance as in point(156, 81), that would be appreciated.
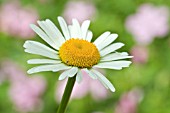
point(41, 68)
point(60, 67)
point(43, 61)
point(110, 48)
point(76, 29)
point(113, 65)
point(56, 31)
point(43, 35)
point(107, 41)
point(101, 38)
point(79, 76)
point(69, 73)
point(91, 74)
point(89, 36)
point(84, 28)
point(40, 49)
point(104, 80)
point(115, 56)
point(47, 29)
point(64, 28)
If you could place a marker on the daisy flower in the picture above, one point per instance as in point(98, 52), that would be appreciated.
point(73, 52)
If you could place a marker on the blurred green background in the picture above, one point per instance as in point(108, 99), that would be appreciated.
point(150, 76)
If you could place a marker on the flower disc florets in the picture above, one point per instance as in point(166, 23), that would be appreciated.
point(79, 53)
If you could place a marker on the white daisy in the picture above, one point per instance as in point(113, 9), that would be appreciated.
point(73, 51)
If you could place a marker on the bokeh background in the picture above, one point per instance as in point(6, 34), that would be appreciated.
point(143, 25)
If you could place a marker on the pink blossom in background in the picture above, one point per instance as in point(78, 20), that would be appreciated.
point(149, 22)
point(129, 101)
point(13, 72)
point(25, 91)
point(26, 94)
point(88, 85)
point(15, 20)
point(79, 10)
point(140, 54)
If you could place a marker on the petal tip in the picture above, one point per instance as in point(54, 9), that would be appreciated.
point(113, 90)
point(60, 18)
point(30, 71)
point(59, 78)
point(32, 26)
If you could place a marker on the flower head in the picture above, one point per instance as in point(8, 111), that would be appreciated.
point(73, 51)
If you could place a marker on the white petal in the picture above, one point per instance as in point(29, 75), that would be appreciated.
point(64, 75)
point(60, 67)
point(43, 68)
point(70, 27)
point(51, 34)
point(107, 41)
point(43, 35)
point(73, 71)
point(70, 73)
point(111, 48)
point(101, 38)
point(89, 36)
point(43, 61)
point(79, 76)
point(115, 56)
point(84, 28)
point(77, 29)
point(118, 65)
point(73, 31)
point(40, 49)
point(91, 74)
point(56, 31)
point(64, 28)
point(104, 80)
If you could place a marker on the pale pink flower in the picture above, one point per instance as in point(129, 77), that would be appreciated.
point(129, 101)
point(149, 22)
point(25, 91)
point(15, 20)
point(26, 94)
point(140, 54)
point(79, 10)
point(13, 72)
point(94, 87)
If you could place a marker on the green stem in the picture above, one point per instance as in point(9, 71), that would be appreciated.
point(66, 95)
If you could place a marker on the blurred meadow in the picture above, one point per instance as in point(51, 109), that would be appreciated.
point(142, 25)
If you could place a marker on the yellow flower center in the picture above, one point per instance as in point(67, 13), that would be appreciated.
point(79, 53)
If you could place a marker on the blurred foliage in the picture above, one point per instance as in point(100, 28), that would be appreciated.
point(153, 77)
